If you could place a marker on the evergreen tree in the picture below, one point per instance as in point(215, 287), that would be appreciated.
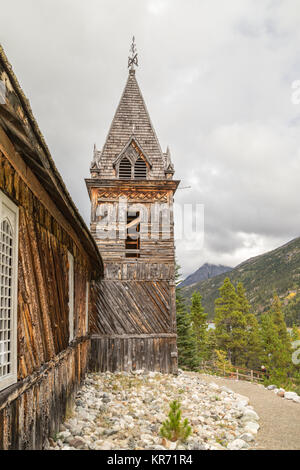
point(174, 428)
point(253, 346)
point(199, 325)
point(279, 322)
point(269, 339)
point(186, 340)
point(211, 344)
point(283, 355)
point(244, 305)
point(276, 344)
point(230, 323)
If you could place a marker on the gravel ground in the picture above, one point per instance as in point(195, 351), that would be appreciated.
point(125, 411)
point(279, 418)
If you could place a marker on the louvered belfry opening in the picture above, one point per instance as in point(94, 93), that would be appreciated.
point(140, 169)
point(125, 169)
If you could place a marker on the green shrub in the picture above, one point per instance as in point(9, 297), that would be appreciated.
point(174, 428)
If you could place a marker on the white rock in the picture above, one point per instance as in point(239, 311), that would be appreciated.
point(252, 427)
point(64, 435)
point(214, 386)
point(290, 395)
point(237, 444)
point(227, 390)
point(249, 415)
point(247, 437)
point(271, 387)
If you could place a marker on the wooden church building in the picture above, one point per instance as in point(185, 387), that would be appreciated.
point(71, 299)
point(131, 191)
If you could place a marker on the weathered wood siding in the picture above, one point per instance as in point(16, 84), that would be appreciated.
point(133, 352)
point(32, 409)
point(49, 369)
point(133, 326)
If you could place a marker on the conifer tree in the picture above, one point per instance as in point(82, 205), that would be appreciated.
point(186, 340)
point(244, 305)
point(230, 323)
point(282, 357)
point(174, 428)
point(278, 319)
point(253, 346)
point(199, 325)
point(276, 344)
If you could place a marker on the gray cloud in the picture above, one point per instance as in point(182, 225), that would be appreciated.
point(216, 77)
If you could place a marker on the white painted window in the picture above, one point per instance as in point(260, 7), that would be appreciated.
point(87, 307)
point(9, 229)
point(71, 296)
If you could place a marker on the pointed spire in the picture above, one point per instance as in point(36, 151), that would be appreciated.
point(132, 120)
point(133, 58)
point(169, 167)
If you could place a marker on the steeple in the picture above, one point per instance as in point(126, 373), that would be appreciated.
point(132, 193)
point(131, 123)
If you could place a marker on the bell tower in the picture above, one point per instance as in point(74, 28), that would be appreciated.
point(131, 189)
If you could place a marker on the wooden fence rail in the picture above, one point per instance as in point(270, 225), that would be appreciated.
point(232, 372)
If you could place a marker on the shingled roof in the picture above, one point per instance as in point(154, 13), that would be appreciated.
point(131, 121)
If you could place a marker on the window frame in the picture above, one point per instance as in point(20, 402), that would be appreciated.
point(71, 295)
point(10, 211)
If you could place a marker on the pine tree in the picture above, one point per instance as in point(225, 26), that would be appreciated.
point(199, 326)
point(276, 344)
point(244, 305)
point(186, 340)
point(174, 428)
point(284, 352)
point(230, 324)
point(253, 346)
point(278, 319)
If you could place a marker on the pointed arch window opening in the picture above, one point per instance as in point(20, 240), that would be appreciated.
point(140, 169)
point(8, 291)
point(125, 169)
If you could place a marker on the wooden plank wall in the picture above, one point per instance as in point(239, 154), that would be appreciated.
point(127, 307)
point(33, 409)
point(133, 326)
point(43, 330)
point(149, 352)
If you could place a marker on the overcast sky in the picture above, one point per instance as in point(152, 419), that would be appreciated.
point(217, 80)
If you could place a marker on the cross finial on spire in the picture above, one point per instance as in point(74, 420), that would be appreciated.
point(133, 58)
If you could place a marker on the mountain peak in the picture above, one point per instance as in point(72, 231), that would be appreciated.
point(206, 271)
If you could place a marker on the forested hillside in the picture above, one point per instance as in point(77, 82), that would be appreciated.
point(277, 270)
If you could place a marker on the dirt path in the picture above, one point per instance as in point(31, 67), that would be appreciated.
point(279, 418)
